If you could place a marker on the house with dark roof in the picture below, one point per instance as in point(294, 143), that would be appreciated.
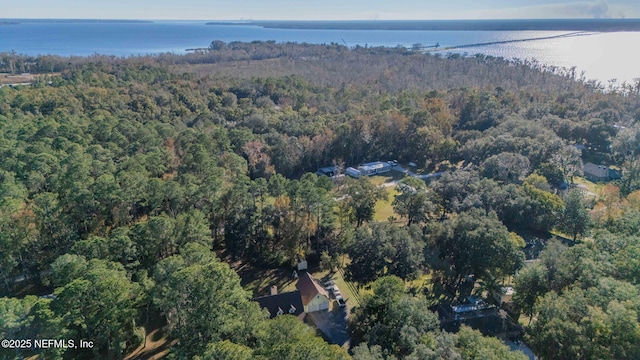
point(314, 296)
point(600, 173)
point(596, 173)
point(282, 304)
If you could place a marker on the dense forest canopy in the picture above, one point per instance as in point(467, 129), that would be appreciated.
point(129, 186)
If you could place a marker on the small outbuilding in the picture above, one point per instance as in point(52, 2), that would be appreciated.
point(329, 171)
point(353, 172)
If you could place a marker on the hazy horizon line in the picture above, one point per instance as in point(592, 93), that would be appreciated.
point(317, 20)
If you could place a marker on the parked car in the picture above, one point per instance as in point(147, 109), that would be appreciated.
point(334, 289)
point(341, 301)
point(329, 285)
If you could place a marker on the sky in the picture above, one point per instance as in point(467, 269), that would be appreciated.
point(318, 9)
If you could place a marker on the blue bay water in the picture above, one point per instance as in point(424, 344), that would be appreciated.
point(602, 56)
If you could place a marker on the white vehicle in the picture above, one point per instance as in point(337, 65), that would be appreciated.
point(341, 301)
point(334, 289)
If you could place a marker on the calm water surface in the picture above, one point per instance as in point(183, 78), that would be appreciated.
point(602, 56)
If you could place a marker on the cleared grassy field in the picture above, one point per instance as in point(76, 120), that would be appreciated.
point(388, 177)
point(384, 209)
point(592, 187)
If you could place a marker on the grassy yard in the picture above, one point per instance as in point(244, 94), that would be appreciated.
point(388, 177)
point(590, 186)
point(384, 209)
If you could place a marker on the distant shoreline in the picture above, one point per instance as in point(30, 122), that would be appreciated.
point(70, 21)
point(456, 47)
point(599, 25)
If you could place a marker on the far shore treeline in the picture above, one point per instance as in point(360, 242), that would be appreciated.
point(600, 25)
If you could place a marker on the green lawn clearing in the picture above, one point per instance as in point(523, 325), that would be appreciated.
point(384, 209)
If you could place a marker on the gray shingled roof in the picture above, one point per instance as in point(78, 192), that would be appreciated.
point(600, 171)
point(289, 303)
